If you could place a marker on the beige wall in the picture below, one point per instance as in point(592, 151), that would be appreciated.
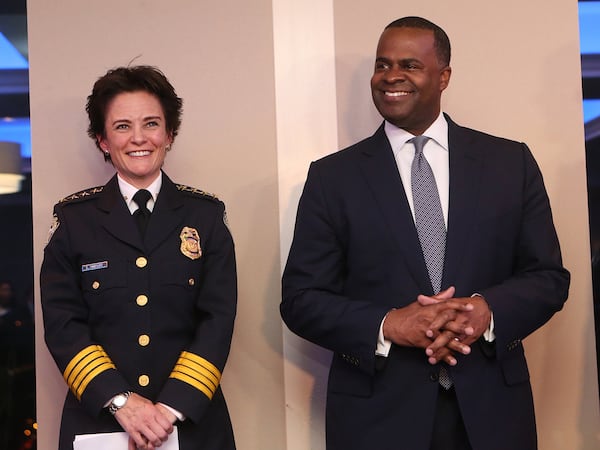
point(271, 85)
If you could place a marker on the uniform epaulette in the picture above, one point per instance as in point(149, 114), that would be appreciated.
point(86, 193)
point(195, 191)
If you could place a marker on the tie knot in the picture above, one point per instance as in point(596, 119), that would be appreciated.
point(141, 198)
point(419, 142)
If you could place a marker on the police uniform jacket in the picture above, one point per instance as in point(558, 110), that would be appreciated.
point(152, 315)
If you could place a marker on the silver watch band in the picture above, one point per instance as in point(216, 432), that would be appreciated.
point(118, 402)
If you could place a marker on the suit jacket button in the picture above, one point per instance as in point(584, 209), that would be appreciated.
point(143, 380)
point(433, 376)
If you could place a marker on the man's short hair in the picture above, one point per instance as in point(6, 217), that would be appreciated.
point(441, 40)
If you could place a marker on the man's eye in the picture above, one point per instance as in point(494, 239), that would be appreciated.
point(122, 126)
point(152, 124)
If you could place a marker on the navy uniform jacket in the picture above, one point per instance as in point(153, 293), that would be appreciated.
point(152, 316)
point(356, 255)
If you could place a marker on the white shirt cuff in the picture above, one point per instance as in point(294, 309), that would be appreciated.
point(383, 345)
point(176, 413)
point(489, 334)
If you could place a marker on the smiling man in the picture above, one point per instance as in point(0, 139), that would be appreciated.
point(422, 256)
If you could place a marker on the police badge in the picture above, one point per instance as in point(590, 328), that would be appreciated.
point(190, 243)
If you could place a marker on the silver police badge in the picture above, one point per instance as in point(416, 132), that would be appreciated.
point(190, 243)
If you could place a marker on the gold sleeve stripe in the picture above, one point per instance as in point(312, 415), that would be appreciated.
point(201, 361)
point(91, 375)
point(83, 378)
point(197, 372)
point(192, 382)
point(78, 357)
point(85, 366)
point(201, 375)
point(84, 362)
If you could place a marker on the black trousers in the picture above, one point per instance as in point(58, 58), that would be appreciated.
point(448, 429)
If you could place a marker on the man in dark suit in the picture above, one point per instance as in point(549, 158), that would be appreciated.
point(139, 293)
point(422, 363)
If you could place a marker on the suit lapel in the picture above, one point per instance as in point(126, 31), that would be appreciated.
point(465, 181)
point(381, 174)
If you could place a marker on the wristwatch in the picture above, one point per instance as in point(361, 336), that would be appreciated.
point(118, 402)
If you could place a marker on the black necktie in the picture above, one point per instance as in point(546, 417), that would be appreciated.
point(142, 214)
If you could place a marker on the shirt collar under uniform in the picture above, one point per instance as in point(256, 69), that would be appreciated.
point(128, 191)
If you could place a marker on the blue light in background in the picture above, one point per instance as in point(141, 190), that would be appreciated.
point(14, 129)
point(589, 38)
point(589, 20)
point(591, 109)
point(10, 58)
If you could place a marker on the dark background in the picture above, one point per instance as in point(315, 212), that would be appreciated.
point(17, 373)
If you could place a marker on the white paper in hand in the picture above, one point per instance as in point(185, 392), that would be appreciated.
point(117, 441)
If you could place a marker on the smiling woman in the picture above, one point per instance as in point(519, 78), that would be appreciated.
point(139, 319)
point(135, 138)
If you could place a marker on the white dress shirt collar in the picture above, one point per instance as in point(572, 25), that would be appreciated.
point(435, 151)
point(438, 131)
point(128, 191)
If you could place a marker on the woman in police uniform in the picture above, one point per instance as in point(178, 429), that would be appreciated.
point(139, 296)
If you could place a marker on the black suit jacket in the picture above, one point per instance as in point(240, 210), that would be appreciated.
point(153, 315)
point(356, 255)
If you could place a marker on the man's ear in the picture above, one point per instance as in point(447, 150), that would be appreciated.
point(445, 77)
